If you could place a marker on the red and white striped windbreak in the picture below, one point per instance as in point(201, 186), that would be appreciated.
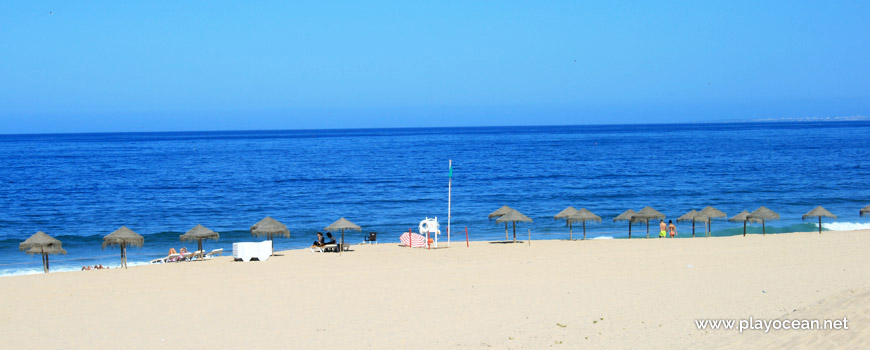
point(417, 241)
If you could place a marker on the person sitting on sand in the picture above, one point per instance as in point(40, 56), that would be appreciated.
point(329, 238)
point(319, 241)
point(663, 229)
point(672, 228)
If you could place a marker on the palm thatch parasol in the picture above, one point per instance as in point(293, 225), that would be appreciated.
point(564, 214)
point(123, 237)
point(199, 233)
point(711, 213)
point(45, 252)
point(584, 215)
point(513, 216)
point(741, 217)
point(270, 228)
point(761, 215)
point(646, 214)
point(865, 211)
point(819, 212)
point(627, 215)
point(342, 224)
point(498, 213)
point(40, 242)
point(691, 216)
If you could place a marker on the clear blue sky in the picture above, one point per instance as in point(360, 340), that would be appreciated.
point(79, 66)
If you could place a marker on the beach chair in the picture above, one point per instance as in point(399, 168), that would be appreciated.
point(199, 254)
point(216, 252)
point(166, 259)
point(372, 237)
point(186, 256)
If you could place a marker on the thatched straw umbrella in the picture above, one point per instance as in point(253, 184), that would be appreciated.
point(40, 242)
point(761, 215)
point(123, 237)
point(627, 215)
point(199, 233)
point(584, 215)
point(45, 252)
point(691, 216)
point(865, 211)
point(564, 214)
point(819, 212)
point(513, 216)
point(342, 224)
point(498, 213)
point(742, 216)
point(711, 213)
point(270, 228)
point(646, 214)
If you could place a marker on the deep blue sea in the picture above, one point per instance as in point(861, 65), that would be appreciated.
point(81, 187)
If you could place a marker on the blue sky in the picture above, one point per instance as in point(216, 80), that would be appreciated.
point(90, 66)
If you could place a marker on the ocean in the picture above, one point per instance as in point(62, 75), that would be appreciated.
point(81, 187)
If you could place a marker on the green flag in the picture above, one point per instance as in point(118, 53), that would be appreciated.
point(451, 172)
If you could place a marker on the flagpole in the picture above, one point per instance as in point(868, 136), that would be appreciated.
point(449, 199)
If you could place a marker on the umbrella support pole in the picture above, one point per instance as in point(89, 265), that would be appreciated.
point(647, 229)
point(629, 228)
point(744, 228)
point(570, 230)
point(693, 228)
point(820, 225)
point(515, 231)
point(584, 230)
point(505, 232)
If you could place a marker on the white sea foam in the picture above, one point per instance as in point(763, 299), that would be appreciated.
point(845, 226)
point(603, 237)
point(38, 270)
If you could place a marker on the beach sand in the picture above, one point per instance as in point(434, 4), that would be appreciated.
point(613, 294)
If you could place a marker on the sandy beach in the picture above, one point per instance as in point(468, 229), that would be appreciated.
point(614, 294)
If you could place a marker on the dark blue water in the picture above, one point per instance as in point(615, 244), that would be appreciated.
point(80, 187)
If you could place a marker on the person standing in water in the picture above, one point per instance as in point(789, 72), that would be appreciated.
point(663, 229)
point(672, 228)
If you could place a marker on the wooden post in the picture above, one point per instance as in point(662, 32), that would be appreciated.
point(341, 244)
point(820, 225)
point(505, 231)
point(629, 228)
point(744, 228)
point(762, 226)
point(44, 264)
point(466, 237)
point(693, 227)
point(530, 237)
point(647, 228)
point(570, 230)
point(515, 230)
point(584, 230)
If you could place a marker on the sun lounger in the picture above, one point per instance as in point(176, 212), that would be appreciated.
point(332, 247)
point(186, 256)
point(166, 259)
point(197, 255)
point(213, 253)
